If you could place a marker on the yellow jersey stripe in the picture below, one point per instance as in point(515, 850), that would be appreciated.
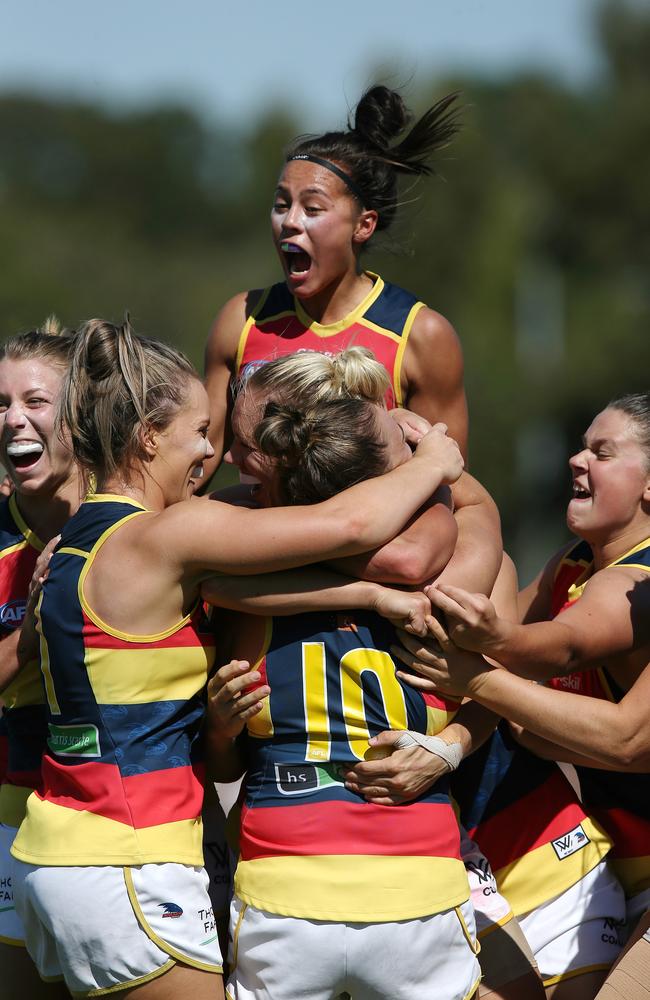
point(136, 676)
point(377, 888)
point(52, 835)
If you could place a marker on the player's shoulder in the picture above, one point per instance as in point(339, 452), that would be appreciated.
point(433, 330)
point(434, 355)
point(230, 321)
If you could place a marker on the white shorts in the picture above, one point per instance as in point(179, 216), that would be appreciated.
point(580, 930)
point(287, 957)
point(505, 954)
point(103, 928)
point(11, 926)
point(635, 908)
point(490, 907)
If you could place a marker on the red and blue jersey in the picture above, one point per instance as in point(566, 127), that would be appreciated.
point(619, 800)
point(524, 814)
point(309, 847)
point(280, 326)
point(123, 772)
point(23, 730)
point(527, 820)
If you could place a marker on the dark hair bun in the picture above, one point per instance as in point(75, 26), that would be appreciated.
point(284, 432)
point(381, 116)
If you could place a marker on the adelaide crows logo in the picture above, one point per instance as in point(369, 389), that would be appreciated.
point(171, 910)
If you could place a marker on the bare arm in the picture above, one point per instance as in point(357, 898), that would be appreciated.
point(403, 775)
point(416, 555)
point(600, 733)
point(9, 665)
point(229, 707)
point(464, 549)
point(410, 772)
point(555, 751)
point(616, 735)
point(220, 363)
point(433, 374)
point(477, 557)
point(202, 535)
point(432, 377)
point(607, 620)
point(318, 589)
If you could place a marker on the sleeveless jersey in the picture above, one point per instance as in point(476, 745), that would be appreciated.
point(309, 847)
point(279, 326)
point(123, 774)
point(527, 820)
point(24, 717)
point(619, 800)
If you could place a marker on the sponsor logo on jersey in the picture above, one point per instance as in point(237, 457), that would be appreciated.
point(74, 741)
point(299, 779)
point(296, 779)
point(570, 842)
point(12, 614)
point(171, 909)
point(571, 682)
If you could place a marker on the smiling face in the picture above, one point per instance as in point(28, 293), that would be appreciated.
point(611, 480)
point(31, 450)
point(179, 451)
point(318, 228)
point(243, 452)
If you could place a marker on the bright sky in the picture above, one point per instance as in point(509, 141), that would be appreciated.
point(233, 59)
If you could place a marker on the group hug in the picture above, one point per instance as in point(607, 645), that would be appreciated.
point(444, 789)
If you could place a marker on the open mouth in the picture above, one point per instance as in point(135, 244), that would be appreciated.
point(580, 492)
point(24, 454)
point(296, 259)
point(197, 472)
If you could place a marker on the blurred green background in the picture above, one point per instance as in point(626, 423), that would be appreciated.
point(534, 240)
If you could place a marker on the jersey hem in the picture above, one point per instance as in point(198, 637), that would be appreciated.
point(354, 916)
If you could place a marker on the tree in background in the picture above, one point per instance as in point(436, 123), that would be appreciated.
point(535, 242)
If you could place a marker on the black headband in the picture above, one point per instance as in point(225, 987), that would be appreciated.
point(347, 180)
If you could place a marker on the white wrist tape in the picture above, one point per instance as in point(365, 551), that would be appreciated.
point(451, 753)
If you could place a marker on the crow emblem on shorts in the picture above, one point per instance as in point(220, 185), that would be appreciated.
point(171, 910)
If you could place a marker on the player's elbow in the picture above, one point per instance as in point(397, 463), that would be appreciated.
point(422, 564)
point(631, 750)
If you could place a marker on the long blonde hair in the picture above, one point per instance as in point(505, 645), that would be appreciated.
point(118, 386)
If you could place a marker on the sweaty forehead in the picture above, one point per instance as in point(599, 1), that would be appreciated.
point(22, 374)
